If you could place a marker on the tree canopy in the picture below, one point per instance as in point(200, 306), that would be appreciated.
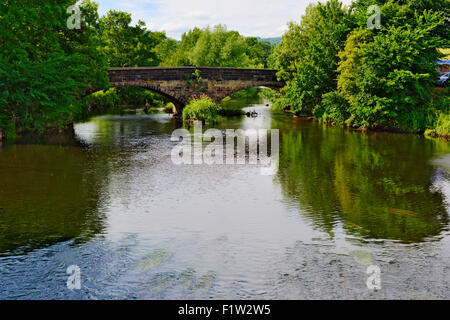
point(341, 71)
point(217, 47)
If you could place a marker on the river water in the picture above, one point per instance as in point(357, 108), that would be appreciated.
point(110, 201)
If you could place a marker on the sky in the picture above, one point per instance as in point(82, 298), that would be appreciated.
point(263, 18)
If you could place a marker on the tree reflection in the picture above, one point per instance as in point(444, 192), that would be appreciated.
point(48, 193)
point(377, 185)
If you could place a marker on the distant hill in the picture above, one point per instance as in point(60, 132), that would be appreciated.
point(273, 41)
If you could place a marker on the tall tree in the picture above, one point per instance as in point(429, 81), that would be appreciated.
point(220, 48)
point(217, 47)
point(308, 55)
point(43, 64)
point(128, 46)
point(396, 74)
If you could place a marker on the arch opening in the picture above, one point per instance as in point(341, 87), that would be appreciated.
point(126, 96)
point(234, 104)
point(250, 92)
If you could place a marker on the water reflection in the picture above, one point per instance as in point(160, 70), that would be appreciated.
point(378, 185)
point(48, 193)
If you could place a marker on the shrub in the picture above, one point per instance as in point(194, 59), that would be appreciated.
point(168, 108)
point(334, 108)
point(439, 124)
point(202, 108)
point(442, 127)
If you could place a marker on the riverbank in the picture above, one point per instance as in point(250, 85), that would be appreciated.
point(51, 129)
point(434, 134)
point(437, 119)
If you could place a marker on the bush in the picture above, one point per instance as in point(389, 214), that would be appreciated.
point(439, 124)
point(36, 96)
point(202, 108)
point(334, 108)
point(388, 78)
point(442, 127)
point(168, 108)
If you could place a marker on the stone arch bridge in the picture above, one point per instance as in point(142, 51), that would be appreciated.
point(179, 84)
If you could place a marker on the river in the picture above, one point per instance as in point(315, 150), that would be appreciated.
point(111, 201)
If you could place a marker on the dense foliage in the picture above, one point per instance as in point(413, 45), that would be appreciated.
point(113, 98)
point(311, 71)
point(44, 67)
point(128, 46)
point(342, 72)
point(215, 47)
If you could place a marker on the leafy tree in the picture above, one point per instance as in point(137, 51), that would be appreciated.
point(86, 43)
point(258, 51)
point(216, 47)
point(220, 48)
point(43, 65)
point(128, 46)
point(284, 57)
point(183, 49)
point(396, 75)
point(318, 39)
point(339, 70)
point(350, 61)
point(165, 51)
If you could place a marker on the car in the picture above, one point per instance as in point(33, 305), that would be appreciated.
point(443, 79)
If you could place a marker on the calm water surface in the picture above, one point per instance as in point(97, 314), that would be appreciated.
point(111, 201)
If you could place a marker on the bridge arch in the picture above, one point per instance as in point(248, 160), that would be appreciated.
point(178, 103)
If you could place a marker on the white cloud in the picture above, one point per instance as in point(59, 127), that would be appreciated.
point(265, 18)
